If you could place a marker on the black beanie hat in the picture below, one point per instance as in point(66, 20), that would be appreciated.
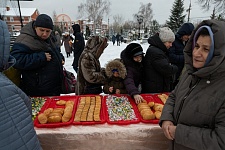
point(135, 49)
point(44, 21)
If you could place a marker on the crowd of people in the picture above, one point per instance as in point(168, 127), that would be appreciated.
point(189, 65)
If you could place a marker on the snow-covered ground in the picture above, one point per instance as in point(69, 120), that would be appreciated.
point(111, 52)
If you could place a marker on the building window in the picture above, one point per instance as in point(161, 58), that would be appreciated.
point(23, 19)
point(5, 19)
point(11, 19)
point(30, 19)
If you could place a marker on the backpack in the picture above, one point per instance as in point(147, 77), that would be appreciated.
point(68, 83)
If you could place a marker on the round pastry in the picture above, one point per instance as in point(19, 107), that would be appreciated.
point(48, 111)
point(42, 118)
point(158, 114)
point(151, 104)
point(54, 114)
point(54, 119)
point(158, 107)
point(58, 110)
point(143, 107)
point(148, 116)
point(146, 111)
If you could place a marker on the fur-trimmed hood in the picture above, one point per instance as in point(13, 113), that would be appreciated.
point(115, 64)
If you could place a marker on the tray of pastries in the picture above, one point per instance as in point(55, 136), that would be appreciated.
point(150, 109)
point(58, 111)
point(121, 110)
point(89, 110)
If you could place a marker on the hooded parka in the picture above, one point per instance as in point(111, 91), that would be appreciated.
point(90, 76)
point(16, 125)
point(112, 81)
point(197, 105)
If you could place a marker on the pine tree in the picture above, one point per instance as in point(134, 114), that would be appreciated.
point(176, 18)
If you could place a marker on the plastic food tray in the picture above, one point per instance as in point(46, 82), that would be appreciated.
point(102, 112)
point(151, 98)
point(51, 103)
point(123, 122)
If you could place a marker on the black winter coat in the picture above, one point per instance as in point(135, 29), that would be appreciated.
point(134, 73)
point(157, 69)
point(78, 45)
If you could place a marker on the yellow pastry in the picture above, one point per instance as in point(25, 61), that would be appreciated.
point(42, 118)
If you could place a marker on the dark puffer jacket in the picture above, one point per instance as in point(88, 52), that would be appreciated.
point(197, 105)
point(90, 76)
point(157, 69)
point(39, 76)
point(134, 72)
point(16, 127)
point(112, 81)
point(176, 54)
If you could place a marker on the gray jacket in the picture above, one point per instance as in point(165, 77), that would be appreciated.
point(16, 126)
point(197, 105)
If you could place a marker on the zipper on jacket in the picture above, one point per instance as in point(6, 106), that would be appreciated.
point(182, 102)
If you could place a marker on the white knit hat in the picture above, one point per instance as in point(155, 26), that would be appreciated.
point(166, 35)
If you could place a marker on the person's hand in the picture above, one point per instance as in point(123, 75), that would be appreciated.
point(138, 98)
point(172, 130)
point(169, 129)
point(48, 56)
point(111, 89)
point(117, 91)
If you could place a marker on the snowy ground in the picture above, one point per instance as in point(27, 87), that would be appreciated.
point(111, 52)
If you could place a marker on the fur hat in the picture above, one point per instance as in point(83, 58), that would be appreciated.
point(166, 35)
point(115, 65)
point(44, 21)
point(135, 49)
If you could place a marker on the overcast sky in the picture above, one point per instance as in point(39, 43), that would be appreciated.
point(125, 8)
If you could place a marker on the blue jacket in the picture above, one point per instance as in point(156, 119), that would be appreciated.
point(16, 126)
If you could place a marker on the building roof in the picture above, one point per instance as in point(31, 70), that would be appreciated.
point(15, 11)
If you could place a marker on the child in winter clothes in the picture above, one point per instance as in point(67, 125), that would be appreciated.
point(115, 72)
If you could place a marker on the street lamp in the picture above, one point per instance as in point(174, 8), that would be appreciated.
point(140, 20)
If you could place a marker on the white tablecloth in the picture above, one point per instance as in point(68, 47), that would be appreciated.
point(103, 137)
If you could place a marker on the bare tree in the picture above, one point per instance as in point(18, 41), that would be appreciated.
point(54, 16)
point(129, 25)
point(118, 22)
point(146, 12)
point(94, 10)
point(218, 4)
